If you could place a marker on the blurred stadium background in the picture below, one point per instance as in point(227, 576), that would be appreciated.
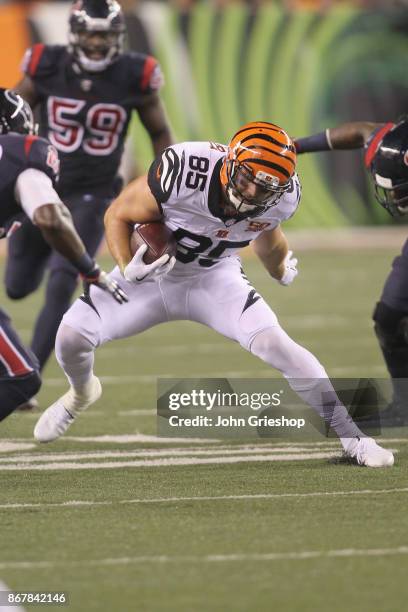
point(304, 64)
point(144, 524)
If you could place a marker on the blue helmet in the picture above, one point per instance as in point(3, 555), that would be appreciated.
point(97, 29)
point(15, 114)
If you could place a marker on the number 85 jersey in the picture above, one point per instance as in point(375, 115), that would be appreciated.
point(185, 180)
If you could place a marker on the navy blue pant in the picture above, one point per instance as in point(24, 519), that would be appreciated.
point(19, 375)
point(29, 256)
point(395, 291)
point(391, 317)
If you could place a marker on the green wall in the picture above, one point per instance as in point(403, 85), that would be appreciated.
point(303, 70)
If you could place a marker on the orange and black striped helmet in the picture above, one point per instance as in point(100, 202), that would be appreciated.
point(258, 167)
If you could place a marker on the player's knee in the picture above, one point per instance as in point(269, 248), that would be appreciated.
point(32, 384)
point(70, 345)
point(18, 390)
point(391, 326)
point(17, 292)
point(275, 347)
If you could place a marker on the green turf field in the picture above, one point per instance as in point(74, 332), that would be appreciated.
point(121, 524)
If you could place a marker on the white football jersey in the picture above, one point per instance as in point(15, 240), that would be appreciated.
point(185, 181)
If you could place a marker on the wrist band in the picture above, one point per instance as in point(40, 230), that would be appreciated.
point(316, 142)
point(85, 264)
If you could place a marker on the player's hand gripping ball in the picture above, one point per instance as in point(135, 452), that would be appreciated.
point(154, 248)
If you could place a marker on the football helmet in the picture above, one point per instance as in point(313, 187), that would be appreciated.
point(15, 114)
point(97, 29)
point(387, 160)
point(258, 168)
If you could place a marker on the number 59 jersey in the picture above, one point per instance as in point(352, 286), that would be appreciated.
point(185, 180)
point(86, 116)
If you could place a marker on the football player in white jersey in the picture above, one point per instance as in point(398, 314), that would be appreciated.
point(216, 200)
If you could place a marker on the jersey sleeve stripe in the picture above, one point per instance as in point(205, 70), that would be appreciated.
point(148, 68)
point(35, 58)
point(373, 146)
point(11, 358)
point(28, 143)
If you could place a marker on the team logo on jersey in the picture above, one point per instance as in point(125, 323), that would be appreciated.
point(86, 85)
point(222, 233)
point(168, 171)
point(256, 226)
point(53, 160)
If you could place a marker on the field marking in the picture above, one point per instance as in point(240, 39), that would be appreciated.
point(160, 500)
point(340, 371)
point(167, 462)
point(208, 348)
point(149, 378)
point(8, 446)
point(214, 558)
point(6, 608)
point(147, 453)
point(144, 438)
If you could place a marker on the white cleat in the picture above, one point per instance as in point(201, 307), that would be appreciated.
point(366, 451)
point(55, 421)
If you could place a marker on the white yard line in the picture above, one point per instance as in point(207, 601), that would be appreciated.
point(161, 452)
point(8, 446)
point(166, 500)
point(214, 558)
point(340, 371)
point(150, 378)
point(142, 438)
point(7, 608)
point(171, 461)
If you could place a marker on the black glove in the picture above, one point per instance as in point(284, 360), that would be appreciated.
point(100, 279)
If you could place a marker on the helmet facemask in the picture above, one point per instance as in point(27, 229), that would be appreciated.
point(251, 195)
point(101, 37)
point(394, 198)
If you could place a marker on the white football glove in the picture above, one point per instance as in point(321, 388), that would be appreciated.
point(291, 271)
point(137, 270)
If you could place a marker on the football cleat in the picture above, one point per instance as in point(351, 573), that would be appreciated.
point(55, 421)
point(366, 451)
point(28, 406)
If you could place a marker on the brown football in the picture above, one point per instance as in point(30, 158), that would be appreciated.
point(158, 237)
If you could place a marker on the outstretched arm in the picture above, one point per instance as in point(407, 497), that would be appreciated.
point(351, 135)
point(39, 200)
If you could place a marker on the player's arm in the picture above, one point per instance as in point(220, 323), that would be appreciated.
point(153, 116)
point(39, 200)
point(135, 204)
point(26, 89)
point(351, 135)
point(273, 250)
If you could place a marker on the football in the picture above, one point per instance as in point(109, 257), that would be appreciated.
point(158, 237)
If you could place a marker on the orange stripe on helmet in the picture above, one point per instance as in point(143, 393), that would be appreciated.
point(266, 147)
